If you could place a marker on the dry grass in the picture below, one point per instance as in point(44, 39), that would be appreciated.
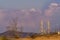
point(49, 37)
point(52, 37)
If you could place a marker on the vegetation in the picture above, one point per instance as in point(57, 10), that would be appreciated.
point(3, 38)
point(16, 36)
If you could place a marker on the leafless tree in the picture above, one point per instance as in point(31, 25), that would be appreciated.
point(13, 26)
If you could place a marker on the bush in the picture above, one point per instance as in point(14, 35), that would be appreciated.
point(3, 38)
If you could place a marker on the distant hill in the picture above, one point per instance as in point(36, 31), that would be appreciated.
point(12, 34)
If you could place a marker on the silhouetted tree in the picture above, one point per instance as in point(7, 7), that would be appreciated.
point(13, 27)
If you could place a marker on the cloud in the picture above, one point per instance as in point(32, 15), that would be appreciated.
point(51, 9)
point(23, 10)
point(33, 9)
point(54, 4)
point(48, 12)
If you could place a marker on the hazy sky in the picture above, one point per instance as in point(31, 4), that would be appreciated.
point(25, 4)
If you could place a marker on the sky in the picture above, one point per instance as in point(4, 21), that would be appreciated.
point(23, 4)
point(8, 8)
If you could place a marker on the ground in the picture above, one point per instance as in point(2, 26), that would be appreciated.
point(44, 37)
point(49, 37)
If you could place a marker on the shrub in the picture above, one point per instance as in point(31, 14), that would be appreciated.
point(3, 38)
